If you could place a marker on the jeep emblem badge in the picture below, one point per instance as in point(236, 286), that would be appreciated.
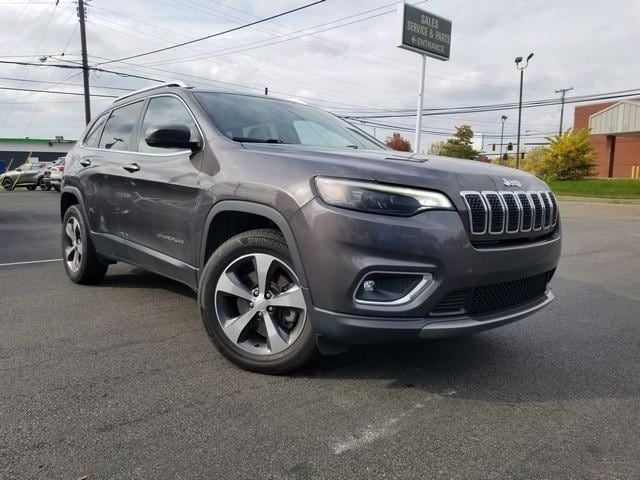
point(511, 183)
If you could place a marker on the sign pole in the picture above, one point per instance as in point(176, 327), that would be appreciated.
point(429, 35)
point(420, 103)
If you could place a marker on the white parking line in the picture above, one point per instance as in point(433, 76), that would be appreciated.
point(29, 262)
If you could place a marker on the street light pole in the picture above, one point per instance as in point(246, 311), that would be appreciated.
point(504, 118)
point(520, 67)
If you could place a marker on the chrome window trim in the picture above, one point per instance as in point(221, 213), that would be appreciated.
point(488, 205)
point(464, 194)
point(423, 285)
point(503, 194)
point(169, 154)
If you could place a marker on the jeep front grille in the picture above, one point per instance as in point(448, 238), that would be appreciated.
point(510, 212)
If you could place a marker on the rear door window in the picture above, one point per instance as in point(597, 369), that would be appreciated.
point(93, 137)
point(120, 130)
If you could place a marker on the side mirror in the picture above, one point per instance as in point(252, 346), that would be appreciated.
point(172, 136)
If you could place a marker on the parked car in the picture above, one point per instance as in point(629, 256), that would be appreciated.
point(53, 175)
point(29, 174)
point(300, 232)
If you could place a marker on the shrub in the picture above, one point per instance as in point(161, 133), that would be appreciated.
point(569, 156)
point(397, 142)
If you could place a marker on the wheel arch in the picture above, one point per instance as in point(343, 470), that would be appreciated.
point(268, 213)
point(72, 196)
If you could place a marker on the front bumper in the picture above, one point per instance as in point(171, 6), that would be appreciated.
point(354, 330)
point(340, 247)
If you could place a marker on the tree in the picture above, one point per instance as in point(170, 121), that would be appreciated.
point(570, 156)
point(532, 161)
point(460, 146)
point(436, 148)
point(397, 142)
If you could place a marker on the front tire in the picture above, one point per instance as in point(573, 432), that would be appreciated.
point(253, 305)
point(7, 183)
point(78, 255)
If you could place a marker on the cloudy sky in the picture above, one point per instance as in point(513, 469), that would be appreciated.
point(354, 67)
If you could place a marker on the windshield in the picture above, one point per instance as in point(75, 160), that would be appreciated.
point(264, 120)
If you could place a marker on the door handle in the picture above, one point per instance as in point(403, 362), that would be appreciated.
point(132, 167)
point(85, 163)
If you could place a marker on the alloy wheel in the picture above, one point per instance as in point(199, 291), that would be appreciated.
point(73, 249)
point(260, 305)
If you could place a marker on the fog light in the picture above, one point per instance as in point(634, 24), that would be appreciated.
point(391, 288)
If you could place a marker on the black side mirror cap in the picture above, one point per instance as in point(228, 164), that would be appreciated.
point(172, 136)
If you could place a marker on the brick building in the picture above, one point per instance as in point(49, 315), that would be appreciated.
point(615, 128)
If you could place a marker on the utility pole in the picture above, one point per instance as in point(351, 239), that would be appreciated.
point(563, 91)
point(85, 63)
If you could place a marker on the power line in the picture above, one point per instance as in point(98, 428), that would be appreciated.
point(62, 83)
point(505, 106)
point(287, 77)
point(56, 92)
point(428, 112)
point(304, 33)
point(206, 37)
point(76, 66)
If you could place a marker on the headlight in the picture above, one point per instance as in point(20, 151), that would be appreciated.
point(379, 198)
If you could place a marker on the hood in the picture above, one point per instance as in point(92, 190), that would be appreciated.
point(449, 175)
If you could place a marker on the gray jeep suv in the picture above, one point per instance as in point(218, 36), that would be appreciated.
point(299, 232)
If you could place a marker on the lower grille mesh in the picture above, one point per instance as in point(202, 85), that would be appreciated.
point(491, 298)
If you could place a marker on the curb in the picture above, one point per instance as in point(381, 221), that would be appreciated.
point(625, 201)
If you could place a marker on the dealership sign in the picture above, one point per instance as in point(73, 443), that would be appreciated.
point(430, 36)
point(424, 32)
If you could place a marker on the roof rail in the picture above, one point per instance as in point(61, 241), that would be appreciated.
point(152, 87)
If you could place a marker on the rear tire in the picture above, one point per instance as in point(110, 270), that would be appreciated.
point(78, 255)
point(253, 306)
point(31, 187)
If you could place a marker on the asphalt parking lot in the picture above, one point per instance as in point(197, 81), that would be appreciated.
point(121, 381)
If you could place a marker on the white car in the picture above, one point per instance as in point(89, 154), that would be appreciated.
point(53, 176)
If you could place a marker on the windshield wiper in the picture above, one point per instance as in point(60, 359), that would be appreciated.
point(256, 140)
